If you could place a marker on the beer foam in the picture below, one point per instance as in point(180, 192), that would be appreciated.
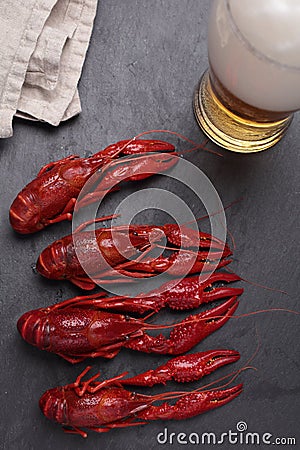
point(252, 56)
point(271, 27)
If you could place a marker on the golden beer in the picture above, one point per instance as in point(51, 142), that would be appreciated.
point(244, 102)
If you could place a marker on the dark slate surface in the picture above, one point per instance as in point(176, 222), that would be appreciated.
point(143, 63)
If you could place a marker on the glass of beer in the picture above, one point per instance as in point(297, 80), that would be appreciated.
point(246, 99)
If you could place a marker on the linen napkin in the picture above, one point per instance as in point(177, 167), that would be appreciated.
point(43, 44)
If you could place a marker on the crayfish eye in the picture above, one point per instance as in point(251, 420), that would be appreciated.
point(135, 233)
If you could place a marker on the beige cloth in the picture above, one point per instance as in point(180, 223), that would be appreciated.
point(43, 44)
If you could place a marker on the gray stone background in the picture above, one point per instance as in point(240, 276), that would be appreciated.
point(144, 61)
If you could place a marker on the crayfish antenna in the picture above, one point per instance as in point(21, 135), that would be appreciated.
point(184, 138)
point(253, 283)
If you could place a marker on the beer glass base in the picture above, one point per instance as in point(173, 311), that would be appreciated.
point(230, 131)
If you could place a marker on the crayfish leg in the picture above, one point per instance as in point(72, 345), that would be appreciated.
point(123, 424)
point(108, 427)
point(105, 353)
point(66, 214)
point(75, 430)
point(72, 359)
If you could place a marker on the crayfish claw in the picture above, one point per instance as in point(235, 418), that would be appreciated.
point(192, 404)
point(185, 368)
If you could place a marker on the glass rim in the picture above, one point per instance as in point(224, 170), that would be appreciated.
point(259, 54)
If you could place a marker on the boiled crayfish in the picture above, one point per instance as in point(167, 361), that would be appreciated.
point(51, 196)
point(102, 406)
point(99, 252)
point(77, 329)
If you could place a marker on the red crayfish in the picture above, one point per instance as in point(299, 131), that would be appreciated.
point(75, 256)
point(76, 329)
point(51, 196)
point(102, 406)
